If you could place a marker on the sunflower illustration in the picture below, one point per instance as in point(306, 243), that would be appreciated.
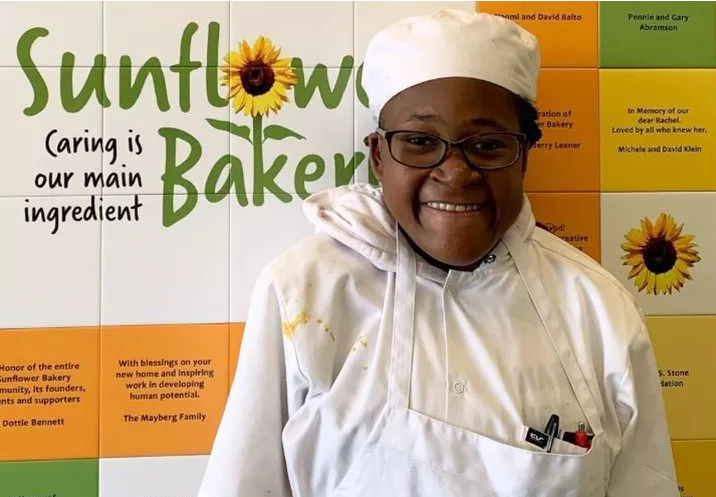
point(257, 78)
point(659, 255)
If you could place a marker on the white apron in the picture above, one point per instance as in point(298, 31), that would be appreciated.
point(411, 455)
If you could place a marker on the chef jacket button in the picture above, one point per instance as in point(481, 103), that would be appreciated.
point(490, 258)
point(458, 387)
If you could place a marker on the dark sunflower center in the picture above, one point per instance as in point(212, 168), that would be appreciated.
point(659, 255)
point(257, 79)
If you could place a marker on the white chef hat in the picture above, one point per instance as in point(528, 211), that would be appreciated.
point(450, 43)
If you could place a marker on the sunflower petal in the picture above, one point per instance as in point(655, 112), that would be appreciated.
point(635, 270)
point(661, 284)
point(683, 241)
point(636, 237)
point(673, 231)
point(272, 56)
point(645, 227)
point(633, 259)
point(259, 46)
point(689, 258)
point(283, 63)
point(641, 279)
point(245, 50)
point(661, 224)
point(683, 269)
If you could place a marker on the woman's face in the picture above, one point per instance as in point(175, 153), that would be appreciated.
point(452, 108)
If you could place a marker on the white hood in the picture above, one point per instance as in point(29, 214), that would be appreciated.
point(357, 216)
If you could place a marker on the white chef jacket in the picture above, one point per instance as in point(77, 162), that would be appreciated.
point(366, 372)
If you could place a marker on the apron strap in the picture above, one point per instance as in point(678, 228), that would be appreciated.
point(401, 355)
point(553, 325)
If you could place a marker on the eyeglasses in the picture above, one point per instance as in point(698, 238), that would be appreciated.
point(425, 150)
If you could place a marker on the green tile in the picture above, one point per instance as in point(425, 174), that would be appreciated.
point(76, 478)
point(657, 34)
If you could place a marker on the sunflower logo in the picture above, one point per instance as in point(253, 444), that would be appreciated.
point(258, 80)
point(659, 255)
point(257, 77)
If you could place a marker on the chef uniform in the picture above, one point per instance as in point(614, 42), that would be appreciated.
point(367, 372)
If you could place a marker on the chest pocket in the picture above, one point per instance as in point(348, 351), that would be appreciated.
point(411, 455)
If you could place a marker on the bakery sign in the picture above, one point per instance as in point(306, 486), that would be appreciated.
point(254, 78)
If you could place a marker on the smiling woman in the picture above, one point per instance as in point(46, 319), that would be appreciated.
point(472, 130)
point(458, 330)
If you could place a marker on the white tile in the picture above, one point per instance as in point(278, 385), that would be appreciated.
point(372, 17)
point(162, 269)
point(45, 31)
point(50, 267)
point(624, 211)
point(321, 112)
point(38, 150)
point(165, 134)
point(149, 476)
point(258, 235)
point(315, 32)
point(147, 30)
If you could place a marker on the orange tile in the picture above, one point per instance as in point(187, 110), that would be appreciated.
point(567, 156)
point(567, 31)
point(574, 217)
point(49, 395)
point(163, 389)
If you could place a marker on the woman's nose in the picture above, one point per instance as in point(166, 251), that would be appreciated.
point(455, 171)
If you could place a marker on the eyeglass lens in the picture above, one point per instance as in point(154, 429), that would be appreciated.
point(485, 150)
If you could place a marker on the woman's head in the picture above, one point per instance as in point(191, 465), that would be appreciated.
point(453, 203)
point(453, 138)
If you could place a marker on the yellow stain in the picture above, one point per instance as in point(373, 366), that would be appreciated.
point(289, 328)
point(360, 340)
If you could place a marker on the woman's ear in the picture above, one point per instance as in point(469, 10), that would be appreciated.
point(376, 160)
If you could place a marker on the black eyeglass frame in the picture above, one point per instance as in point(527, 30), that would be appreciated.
point(388, 135)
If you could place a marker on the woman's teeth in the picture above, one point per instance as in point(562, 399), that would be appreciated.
point(442, 206)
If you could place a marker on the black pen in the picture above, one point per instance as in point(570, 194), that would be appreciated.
point(552, 430)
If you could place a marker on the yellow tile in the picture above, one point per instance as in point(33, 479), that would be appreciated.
point(657, 129)
point(685, 348)
point(695, 463)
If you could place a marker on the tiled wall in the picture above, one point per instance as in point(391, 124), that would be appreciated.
point(99, 279)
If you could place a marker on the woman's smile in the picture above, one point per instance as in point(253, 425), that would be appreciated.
point(455, 208)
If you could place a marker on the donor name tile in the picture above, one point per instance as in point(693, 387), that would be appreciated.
point(659, 149)
point(32, 422)
point(542, 17)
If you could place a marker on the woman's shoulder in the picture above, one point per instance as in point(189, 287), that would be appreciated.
point(317, 257)
point(594, 304)
point(578, 267)
point(331, 299)
point(320, 276)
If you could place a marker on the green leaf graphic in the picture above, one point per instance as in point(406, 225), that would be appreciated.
point(276, 132)
point(240, 131)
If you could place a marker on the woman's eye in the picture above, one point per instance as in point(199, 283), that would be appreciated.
point(488, 145)
point(420, 140)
